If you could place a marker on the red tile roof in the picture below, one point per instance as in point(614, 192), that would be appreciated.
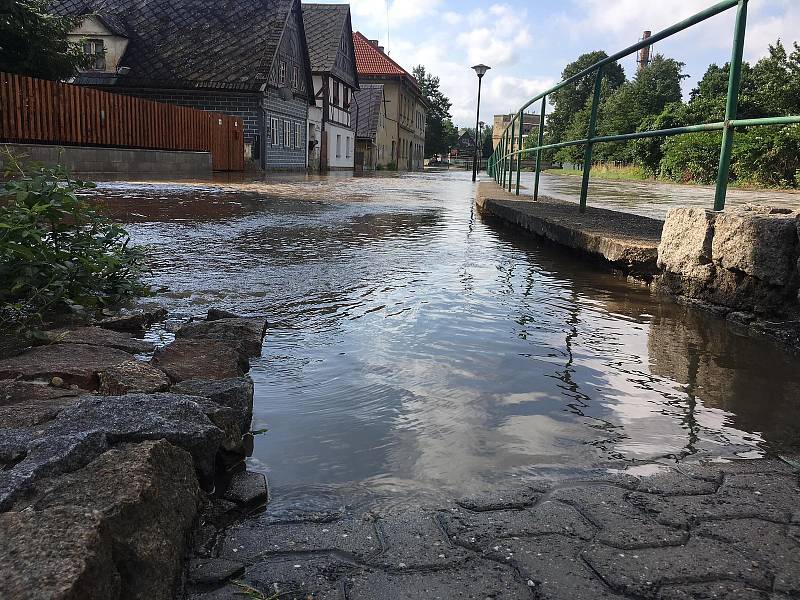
point(371, 61)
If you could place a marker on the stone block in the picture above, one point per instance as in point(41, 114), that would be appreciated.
point(131, 377)
point(98, 336)
point(686, 241)
point(143, 524)
point(247, 488)
point(200, 359)
point(761, 246)
point(247, 334)
point(76, 364)
point(180, 420)
point(236, 393)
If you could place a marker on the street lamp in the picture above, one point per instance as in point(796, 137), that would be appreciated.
point(480, 70)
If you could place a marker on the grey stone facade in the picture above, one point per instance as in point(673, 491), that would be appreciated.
point(278, 155)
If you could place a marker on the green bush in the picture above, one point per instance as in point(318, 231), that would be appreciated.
point(767, 156)
point(56, 250)
point(691, 158)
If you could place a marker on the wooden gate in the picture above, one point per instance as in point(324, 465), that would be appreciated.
point(48, 112)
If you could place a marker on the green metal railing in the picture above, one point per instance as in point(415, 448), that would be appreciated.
point(501, 162)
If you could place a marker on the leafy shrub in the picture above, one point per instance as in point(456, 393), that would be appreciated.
point(691, 158)
point(767, 156)
point(56, 250)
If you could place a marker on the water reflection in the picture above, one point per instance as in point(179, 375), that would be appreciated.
point(418, 351)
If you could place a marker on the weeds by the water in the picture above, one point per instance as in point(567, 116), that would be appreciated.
point(56, 250)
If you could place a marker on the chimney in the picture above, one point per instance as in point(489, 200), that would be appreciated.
point(375, 44)
point(643, 57)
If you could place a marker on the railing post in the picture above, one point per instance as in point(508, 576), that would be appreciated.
point(731, 106)
point(519, 150)
point(505, 160)
point(511, 157)
point(539, 152)
point(587, 155)
point(502, 180)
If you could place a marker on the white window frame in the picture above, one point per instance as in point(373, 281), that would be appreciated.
point(297, 135)
point(282, 72)
point(338, 145)
point(275, 133)
point(295, 77)
point(287, 133)
point(347, 147)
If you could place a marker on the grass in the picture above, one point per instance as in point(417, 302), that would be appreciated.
point(632, 173)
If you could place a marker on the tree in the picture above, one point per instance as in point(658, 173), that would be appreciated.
point(488, 143)
point(440, 133)
point(645, 96)
point(34, 42)
point(572, 98)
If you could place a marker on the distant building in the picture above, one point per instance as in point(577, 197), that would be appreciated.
point(465, 146)
point(400, 141)
point(369, 116)
point(530, 123)
point(246, 58)
point(333, 64)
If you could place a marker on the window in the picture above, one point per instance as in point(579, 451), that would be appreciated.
point(336, 93)
point(282, 72)
point(338, 146)
point(295, 77)
point(95, 49)
point(297, 135)
point(347, 147)
point(275, 131)
point(287, 134)
point(346, 97)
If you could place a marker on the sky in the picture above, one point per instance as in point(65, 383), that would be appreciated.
point(527, 43)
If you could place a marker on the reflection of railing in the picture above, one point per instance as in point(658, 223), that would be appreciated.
point(501, 163)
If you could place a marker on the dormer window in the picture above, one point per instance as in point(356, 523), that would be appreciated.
point(282, 72)
point(95, 49)
point(295, 77)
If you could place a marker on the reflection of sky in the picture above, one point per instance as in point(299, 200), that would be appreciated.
point(415, 349)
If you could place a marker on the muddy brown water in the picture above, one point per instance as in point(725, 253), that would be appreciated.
point(417, 352)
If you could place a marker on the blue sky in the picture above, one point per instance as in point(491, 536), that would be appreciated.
point(528, 43)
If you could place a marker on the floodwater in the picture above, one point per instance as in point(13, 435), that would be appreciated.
point(650, 198)
point(417, 352)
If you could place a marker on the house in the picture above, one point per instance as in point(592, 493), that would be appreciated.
point(369, 115)
point(465, 146)
point(246, 58)
point(530, 123)
point(329, 35)
point(401, 140)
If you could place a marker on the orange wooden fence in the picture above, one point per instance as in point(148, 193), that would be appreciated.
point(48, 112)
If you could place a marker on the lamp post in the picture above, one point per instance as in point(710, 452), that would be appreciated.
point(480, 70)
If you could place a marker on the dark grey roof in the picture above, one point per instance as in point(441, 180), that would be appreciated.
point(324, 25)
point(222, 44)
point(369, 103)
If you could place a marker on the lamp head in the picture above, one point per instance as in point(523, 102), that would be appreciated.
point(481, 70)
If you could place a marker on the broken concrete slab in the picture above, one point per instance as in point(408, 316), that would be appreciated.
point(75, 364)
point(200, 359)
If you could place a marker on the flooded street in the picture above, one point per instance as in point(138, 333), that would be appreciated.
point(417, 352)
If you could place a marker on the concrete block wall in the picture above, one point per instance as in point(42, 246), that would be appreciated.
point(82, 160)
point(744, 259)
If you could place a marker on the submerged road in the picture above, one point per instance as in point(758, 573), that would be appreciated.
point(418, 353)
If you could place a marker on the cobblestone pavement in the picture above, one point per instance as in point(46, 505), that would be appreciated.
point(723, 531)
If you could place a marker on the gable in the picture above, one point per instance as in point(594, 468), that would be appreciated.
point(291, 69)
point(344, 67)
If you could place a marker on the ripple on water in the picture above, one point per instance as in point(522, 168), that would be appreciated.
point(416, 351)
